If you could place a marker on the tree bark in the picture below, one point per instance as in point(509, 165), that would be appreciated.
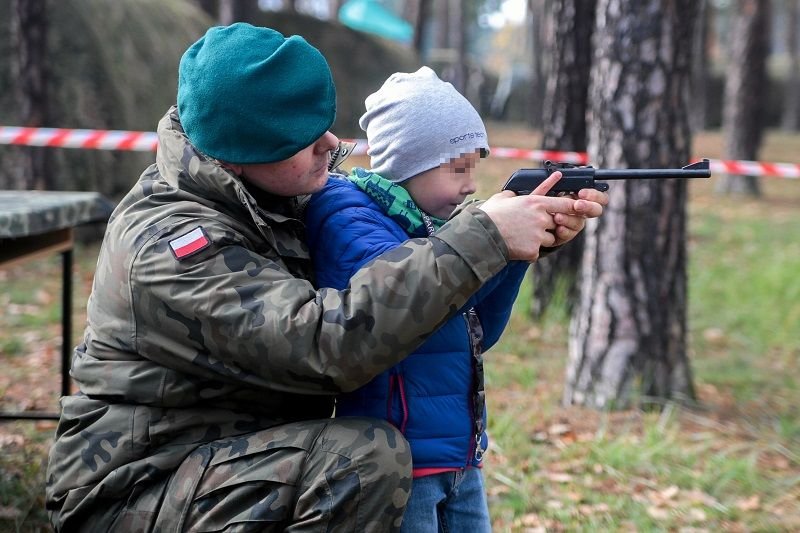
point(458, 42)
point(29, 26)
point(417, 12)
point(442, 17)
point(231, 11)
point(746, 87)
point(541, 30)
point(211, 7)
point(700, 68)
point(791, 107)
point(628, 333)
point(564, 128)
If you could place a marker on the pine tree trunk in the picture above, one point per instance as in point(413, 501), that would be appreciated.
point(746, 86)
point(30, 29)
point(541, 28)
point(231, 11)
point(458, 42)
point(629, 329)
point(564, 128)
point(416, 12)
point(791, 107)
point(442, 16)
point(211, 7)
point(700, 69)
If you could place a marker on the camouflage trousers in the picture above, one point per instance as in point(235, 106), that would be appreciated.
point(343, 474)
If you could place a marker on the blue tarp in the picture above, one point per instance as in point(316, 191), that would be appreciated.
point(372, 17)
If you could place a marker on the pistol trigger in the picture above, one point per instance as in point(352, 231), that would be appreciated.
point(602, 187)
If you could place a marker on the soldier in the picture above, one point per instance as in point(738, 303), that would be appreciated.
point(209, 363)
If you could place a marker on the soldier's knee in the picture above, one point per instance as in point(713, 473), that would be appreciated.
point(396, 454)
point(378, 447)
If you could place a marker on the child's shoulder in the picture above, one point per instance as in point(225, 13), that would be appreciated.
point(337, 184)
point(338, 193)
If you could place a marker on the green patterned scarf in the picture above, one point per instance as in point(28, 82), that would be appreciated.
point(395, 202)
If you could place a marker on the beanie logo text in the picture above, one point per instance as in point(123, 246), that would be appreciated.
point(466, 136)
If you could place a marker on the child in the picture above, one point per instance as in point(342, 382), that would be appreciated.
point(425, 140)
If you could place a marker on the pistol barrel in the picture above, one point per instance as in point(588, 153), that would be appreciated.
point(700, 169)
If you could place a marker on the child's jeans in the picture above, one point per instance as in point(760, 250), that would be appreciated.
point(451, 502)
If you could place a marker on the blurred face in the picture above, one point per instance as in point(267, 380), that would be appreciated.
point(303, 173)
point(439, 190)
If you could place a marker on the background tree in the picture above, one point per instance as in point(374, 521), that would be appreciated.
point(629, 329)
point(790, 119)
point(29, 31)
point(450, 42)
point(698, 119)
point(541, 28)
point(210, 7)
point(418, 14)
point(746, 89)
point(564, 126)
point(231, 11)
point(457, 29)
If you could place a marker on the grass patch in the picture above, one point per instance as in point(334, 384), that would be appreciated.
point(23, 456)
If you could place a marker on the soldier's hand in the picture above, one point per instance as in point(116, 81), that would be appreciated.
point(529, 222)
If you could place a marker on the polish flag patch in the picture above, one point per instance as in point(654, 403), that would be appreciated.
point(187, 244)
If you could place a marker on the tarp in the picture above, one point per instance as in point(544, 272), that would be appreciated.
point(372, 17)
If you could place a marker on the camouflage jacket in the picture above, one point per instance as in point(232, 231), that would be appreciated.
point(188, 345)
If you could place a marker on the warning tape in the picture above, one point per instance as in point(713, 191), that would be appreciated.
point(147, 141)
point(142, 141)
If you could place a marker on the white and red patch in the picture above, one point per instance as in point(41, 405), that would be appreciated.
point(190, 243)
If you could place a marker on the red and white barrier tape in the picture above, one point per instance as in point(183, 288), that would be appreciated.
point(756, 168)
point(146, 141)
point(143, 141)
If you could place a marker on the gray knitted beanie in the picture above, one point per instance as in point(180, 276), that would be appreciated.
point(416, 122)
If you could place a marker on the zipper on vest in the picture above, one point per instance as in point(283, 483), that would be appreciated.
point(397, 389)
point(478, 403)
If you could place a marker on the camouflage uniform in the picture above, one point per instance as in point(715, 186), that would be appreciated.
point(207, 381)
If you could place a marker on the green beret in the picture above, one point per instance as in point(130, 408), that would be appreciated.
point(248, 94)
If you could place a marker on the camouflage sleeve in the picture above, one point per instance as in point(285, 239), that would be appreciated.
point(233, 314)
